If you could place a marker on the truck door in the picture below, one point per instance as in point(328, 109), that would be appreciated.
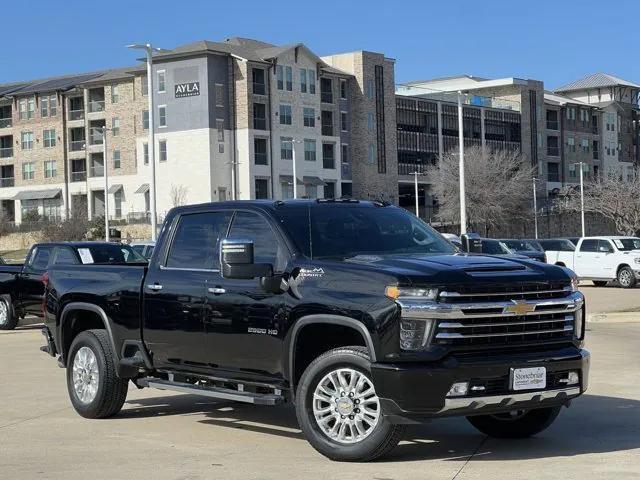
point(244, 322)
point(31, 288)
point(587, 259)
point(174, 290)
point(608, 259)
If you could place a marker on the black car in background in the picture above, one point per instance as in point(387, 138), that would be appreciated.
point(528, 248)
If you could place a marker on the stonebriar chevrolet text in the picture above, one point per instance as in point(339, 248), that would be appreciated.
point(356, 312)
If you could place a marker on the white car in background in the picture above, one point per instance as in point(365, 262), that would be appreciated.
point(602, 259)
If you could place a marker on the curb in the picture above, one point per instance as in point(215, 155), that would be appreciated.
point(614, 317)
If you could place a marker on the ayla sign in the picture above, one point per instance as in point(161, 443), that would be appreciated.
point(190, 89)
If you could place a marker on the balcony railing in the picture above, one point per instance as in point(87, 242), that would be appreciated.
point(97, 171)
point(326, 97)
point(553, 151)
point(5, 122)
point(328, 162)
point(6, 152)
point(96, 139)
point(552, 125)
point(327, 130)
point(77, 145)
point(76, 114)
point(96, 106)
point(7, 182)
point(78, 176)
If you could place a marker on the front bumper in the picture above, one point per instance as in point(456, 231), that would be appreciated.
point(416, 392)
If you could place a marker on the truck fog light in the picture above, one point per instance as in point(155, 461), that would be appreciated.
point(459, 389)
point(573, 378)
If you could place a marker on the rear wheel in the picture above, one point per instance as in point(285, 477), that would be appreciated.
point(8, 318)
point(626, 277)
point(94, 387)
point(338, 408)
point(600, 283)
point(515, 424)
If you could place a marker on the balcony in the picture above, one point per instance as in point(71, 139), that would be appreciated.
point(5, 122)
point(327, 130)
point(76, 115)
point(6, 152)
point(77, 145)
point(553, 151)
point(7, 182)
point(552, 125)
point(79, 176)
point(97, 171)
point(96, 106)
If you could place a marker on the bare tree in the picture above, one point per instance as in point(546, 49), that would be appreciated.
point(178, 195)
point(612, 198)
point(497, 186)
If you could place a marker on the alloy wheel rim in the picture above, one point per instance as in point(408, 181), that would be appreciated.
point(625, 278)
point(85, 375)
point(4, 312)
point(345, 406)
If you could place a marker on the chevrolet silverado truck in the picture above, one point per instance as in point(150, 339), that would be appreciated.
point(602, 259)
point(358, 313)
point(22, 285)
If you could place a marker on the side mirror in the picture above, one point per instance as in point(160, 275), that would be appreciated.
point(236, 260)
point(471, 242)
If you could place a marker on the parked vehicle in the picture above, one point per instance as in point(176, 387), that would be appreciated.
point(144, 248)
point(602, 259)
point(528, 248)
point(557, 244)
point(574, 240)
point(22, 287)
point(357, 312)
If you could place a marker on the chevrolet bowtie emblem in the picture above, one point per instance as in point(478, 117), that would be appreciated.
point(519, 308)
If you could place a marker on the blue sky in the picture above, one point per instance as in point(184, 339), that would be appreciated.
point(557, 41)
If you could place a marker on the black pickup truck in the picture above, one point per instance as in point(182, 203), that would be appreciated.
point(357, 312)
point(22, 285)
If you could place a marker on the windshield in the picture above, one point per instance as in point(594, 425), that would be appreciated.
point(104, 253)
point(494, 247)
point(627, 244)
point(523, 245)
point(347, 231)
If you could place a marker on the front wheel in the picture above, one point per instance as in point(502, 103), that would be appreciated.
point(338, 408)
point(626, 277)
point(94, 387)
point(515, 424)
point(8, 317)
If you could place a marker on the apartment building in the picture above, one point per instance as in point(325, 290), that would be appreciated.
point(230, 118)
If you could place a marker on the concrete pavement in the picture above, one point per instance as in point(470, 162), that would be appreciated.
point(171, 436)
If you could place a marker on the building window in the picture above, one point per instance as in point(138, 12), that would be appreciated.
point(220, 127)
point(50, 169)
point(303, 80)
point(48, 105)
point(262, 188)
point(26, 140)
point(370, 89)
point(571, 113)
point(326, 118)
point(117, 200)
point(162, 116)
point(553, 172)
point(344, 153)
point(27, 108)
point(596, 150)
point(343, 89)
point(571, 144)
point(115, 94)
point(572, 171)
point(309, 150)
point(116, 159)
point(287, 190)
point(328, 155)
point(259, 116)
point(49, 138)
point(311, 77)
point(330, 190)
point(347, 189)
point(371, 158)
point(326, 90)
point(260, 151)
point(28, 208)
point(285, 114)
point(585, 145)
point(145, 120)
point(370, 122)
point(144, 85)
point(219, 91)
point(344, 126)
point(259, 87)
point(161, 81)
point(115, 126)
point(162, 150)
point(288, 71)
point(280, 77)
point(286, 148)
point(309, 117)
point(145, 153)
point(28, 171)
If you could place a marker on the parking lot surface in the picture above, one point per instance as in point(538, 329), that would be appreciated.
point(171, 436)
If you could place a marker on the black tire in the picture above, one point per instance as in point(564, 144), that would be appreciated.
point(626, 277)
point(600, 283)
point(8, 317)
point(380, 440)
point(111, 389)
point(523, 425)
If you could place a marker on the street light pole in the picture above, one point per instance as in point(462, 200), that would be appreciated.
point(582, 197)
point(295, 178)
point(463, 206)
point(415, 174)
point(535, 207)
point(105, 162)
point(149, 49)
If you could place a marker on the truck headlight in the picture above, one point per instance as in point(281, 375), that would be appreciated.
point(574, 284)
point(395, 292)
point(415, 333)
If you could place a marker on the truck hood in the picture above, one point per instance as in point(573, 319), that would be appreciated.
point(462, 268)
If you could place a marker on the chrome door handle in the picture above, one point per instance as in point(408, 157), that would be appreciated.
point(154, 287)
point(217, 290)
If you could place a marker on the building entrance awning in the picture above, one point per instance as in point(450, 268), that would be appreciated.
point(114, 188)
point(314, 181)
point(38, 194)
point(288, 179)
point(144, 188)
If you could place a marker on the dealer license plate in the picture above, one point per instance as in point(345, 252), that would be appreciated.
point(529, 378)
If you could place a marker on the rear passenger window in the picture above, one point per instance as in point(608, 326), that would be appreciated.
point(64, 256)
point(197, 240)
point(41, 259)
point(589, 246)
point(265, 243)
